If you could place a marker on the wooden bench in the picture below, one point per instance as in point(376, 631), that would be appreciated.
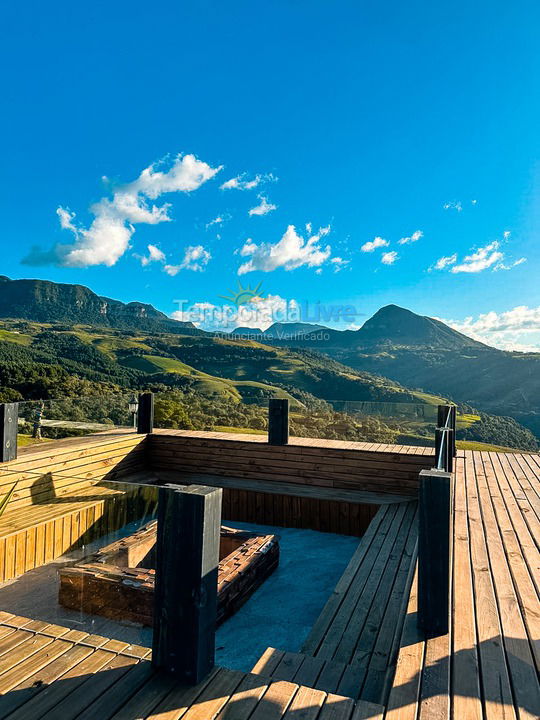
point(356, 637)
point(70, 494)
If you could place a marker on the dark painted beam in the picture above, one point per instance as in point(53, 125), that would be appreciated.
point(185, 597)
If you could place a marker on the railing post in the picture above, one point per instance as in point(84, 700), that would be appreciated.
point(185, 596)
point(443, 411)
point(444, 437)
point(9, 421)
point(278, 421)
point(434, 502)
point(145, 417)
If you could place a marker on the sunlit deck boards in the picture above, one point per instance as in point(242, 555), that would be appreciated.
point(487, 667)
point(51, 672)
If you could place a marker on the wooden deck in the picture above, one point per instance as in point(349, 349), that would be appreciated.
point(487, 666)
point(51, 672)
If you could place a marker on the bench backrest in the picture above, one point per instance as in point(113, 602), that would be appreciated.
point(49, 470)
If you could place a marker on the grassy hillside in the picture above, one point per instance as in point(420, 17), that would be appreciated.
point(52, 360)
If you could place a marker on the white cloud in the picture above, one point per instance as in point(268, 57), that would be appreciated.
point(516, 329)
point(66, 219)
point(195, 258)
point(372, 245)
point(186, 174)
point(219, 220)
point(263, 208)
point(417, 234)
point(389, 258)
point(473, 202)
point(240, 182)
point(445, 261)
point(453, 205)
point(509, 266)
point(154, 255)
point(291, 252)
point(339, 263)
point(482, 259)
point(506, 234)
point(109, 234)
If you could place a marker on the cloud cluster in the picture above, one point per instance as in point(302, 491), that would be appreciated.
point(445, 261)
point(372, 245)
point(241, 182)
point(417, 234)
point(510, 330)
point(108, 236)
point(196, 257)
point(263, 208)
point(289, 253)
point(389, 258)
point(484, 258)
point(154, 255)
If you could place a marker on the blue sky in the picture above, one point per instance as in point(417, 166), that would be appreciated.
point(358, 121)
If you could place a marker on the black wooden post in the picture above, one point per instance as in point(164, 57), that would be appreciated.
point(278, 421)
point(145, 417)
point(434, 551)
point(185, 596)
point(9, 419)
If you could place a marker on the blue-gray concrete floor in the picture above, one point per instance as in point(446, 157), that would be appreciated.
point(283, 610)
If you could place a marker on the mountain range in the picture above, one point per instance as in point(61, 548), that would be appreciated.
point(45, 301)
point(422, 352)
point(396, 355)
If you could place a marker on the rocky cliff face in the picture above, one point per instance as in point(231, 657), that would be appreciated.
point(45, 301)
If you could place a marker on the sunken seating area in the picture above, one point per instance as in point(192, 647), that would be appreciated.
point(355, 639)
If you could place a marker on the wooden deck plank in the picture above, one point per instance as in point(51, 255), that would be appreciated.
point(70, 682)
point(37, 682)
point(519, 657)
point(343, 645)
point(245, 700)
point(323, 622)
point(495, 680)
point(275, 702)
point(336, 708)
point(330, 641)
point(466, 682)
point(405, 682)
point(518, 546)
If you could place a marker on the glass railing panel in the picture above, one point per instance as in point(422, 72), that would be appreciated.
point(43, 420)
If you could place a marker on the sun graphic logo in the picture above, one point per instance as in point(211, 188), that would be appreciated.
point(244, 295)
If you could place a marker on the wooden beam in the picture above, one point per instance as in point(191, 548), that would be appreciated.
point(145, 417)
point(434, 551)
point(185, 597)
point(278, 421)
point(8, 431)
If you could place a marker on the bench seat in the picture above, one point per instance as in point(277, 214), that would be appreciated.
point(353, 644)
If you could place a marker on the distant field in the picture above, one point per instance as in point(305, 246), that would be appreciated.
point(203, 382)
point(465, 421)
point(473, 445)
point(15, 337)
